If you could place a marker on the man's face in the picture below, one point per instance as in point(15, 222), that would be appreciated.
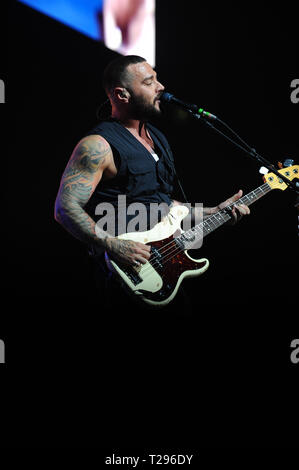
point(145, 91)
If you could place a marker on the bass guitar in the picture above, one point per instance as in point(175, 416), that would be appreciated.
point(157, 281)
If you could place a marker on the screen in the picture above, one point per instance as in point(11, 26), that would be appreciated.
point(125, 27)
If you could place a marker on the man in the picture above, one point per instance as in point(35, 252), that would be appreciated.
point(122, 155)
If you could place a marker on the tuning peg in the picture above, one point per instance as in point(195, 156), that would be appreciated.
point(263, 170)
point(288, 162)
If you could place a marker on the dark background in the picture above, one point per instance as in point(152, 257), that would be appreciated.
point(218, 375)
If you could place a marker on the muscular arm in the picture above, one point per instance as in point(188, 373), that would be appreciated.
point(82, 174)
point(84, 171)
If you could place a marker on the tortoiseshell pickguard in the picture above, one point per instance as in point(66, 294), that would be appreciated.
point(171, 265)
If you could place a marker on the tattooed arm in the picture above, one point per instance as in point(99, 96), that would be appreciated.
point(83, 172)
point(89, 160)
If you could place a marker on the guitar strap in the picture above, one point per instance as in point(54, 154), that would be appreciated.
point(171, 159)
point(179, 183)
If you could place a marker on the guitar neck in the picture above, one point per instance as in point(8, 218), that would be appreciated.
point(221, 217)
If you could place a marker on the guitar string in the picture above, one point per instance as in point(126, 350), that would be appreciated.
point(257, 197)
point(224, 214)
point(209, 219)
point(221, 213)
point(183, 236)
point(174, 252)
point(173, 243)
point(165, 251)
point(177, 250)
point(172, 255)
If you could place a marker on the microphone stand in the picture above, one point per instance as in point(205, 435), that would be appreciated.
point(249, 150)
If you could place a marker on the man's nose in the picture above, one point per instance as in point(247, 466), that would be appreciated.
point(160, 87)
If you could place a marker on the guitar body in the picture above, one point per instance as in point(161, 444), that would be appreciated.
point(157, 284)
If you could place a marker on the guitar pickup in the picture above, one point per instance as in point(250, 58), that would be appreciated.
point(132, 275)
point(158, 257)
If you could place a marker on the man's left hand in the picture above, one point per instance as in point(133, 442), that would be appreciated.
point(238, 210)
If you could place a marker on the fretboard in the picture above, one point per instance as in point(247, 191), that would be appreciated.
point(216, 220)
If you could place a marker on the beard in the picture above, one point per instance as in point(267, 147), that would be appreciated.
point(142, 110)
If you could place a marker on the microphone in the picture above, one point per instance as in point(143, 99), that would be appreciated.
point(169, 98)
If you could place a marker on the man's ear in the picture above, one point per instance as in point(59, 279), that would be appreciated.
point(122, 94)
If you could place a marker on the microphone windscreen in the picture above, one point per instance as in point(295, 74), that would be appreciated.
point(166, 97)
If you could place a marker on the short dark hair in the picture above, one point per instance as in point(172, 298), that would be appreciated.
point(115, 74)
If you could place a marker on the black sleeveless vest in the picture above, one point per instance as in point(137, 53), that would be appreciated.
point(140, 178)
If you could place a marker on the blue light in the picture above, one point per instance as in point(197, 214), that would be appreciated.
point(81, 15)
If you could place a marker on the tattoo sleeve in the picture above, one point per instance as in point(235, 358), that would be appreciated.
point(77, 185)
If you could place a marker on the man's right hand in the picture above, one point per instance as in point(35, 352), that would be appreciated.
point(127, 251)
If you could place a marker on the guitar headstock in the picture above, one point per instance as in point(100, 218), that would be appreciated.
point(275, 182)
